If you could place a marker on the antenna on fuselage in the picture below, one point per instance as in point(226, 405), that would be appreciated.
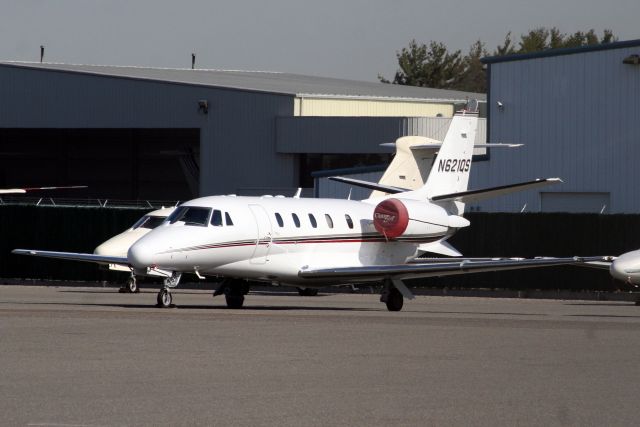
point(298, 193)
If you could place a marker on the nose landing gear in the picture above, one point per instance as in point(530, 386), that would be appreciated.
point(164, 298)
point(131, 287)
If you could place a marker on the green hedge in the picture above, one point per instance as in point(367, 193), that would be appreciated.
point(501, 234)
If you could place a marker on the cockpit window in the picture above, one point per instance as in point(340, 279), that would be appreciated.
point(149, 222)
point(190, 215)
point(216, 218)
point(227, 217)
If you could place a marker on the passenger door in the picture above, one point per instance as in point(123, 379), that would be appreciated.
point(263, 239)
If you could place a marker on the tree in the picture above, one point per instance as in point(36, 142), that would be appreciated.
point(428, 66)
point(473, 78)
point(542, 38)
point(434, 66)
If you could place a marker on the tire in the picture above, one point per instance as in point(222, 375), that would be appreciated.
point(394, 300)
point(234, 301)
point(132, 286)
point(307, 292)
point(164, 299)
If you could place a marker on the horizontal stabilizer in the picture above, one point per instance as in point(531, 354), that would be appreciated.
point(436, 145)
point(73, 256)
point(370, 185)
point(486, 193)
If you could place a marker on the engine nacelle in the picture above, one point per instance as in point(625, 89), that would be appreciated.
point(394, 218)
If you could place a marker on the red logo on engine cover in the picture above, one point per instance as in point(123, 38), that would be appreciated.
point(391, 218)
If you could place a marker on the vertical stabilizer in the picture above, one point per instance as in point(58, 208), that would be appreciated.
point(409, 167)
point(450, 170)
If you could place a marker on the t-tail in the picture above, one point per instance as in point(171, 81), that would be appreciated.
point(451, 167)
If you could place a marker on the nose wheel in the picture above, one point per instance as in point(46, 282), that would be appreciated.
point(131, 287)
point(164, 298)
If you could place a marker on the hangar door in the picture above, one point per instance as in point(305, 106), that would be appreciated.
point(122, 164)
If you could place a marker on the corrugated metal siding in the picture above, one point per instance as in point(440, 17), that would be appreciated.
point(356, 134)
point(579, 118)
point(359, 108)
point(239, 129)
point(329, 189)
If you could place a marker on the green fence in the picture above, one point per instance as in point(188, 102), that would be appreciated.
point(524, 235)
point(62, 229)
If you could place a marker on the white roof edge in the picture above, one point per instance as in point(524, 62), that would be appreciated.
point(384, 98)
point(141, 67)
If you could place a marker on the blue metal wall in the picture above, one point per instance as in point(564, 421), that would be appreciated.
point(237, 135)
point(579, 118)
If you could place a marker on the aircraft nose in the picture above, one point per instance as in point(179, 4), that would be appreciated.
point(626, 268)
point(141, 255)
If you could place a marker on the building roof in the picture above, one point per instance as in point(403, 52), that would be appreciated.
point(559, 52)
point(262, 81)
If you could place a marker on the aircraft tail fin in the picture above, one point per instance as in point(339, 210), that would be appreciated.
point(450, 171)
point(410, 167)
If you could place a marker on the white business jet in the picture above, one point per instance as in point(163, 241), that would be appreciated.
point(311, 243)
point(119, 245)
point(625, 267)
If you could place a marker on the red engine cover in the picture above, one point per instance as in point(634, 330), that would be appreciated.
point(391, 218)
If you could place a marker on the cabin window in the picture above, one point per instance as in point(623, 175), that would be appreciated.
point(296, 220)
point(279, 220)
point(227, 218)
point(329, 220)
point(349, 221)
point(314, 223)
point(190, 215)
point(216, 218)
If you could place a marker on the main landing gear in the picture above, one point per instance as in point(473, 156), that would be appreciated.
point(164, 298)
point(391, 296)
point(131, 287)
point(307, 292)
point(234, 291)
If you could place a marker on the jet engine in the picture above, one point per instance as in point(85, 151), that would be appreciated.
point(394, 218)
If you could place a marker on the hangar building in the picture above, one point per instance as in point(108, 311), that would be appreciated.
point(578, 113)
point(166, 134)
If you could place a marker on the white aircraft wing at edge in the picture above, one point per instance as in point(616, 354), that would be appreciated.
point(439, 268)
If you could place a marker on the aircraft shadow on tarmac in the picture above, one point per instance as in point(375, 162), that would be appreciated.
point(605, 304)
point(199, 307)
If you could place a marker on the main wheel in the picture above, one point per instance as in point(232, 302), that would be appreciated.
point(234, 300)
point(132, 286)
point(164, 298)
point(307, 292)
point(394, 300)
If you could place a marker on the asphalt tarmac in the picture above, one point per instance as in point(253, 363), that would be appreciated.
point(94, 357)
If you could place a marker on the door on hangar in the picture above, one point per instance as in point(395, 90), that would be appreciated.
point(116, 164)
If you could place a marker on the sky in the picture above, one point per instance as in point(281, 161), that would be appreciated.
point(352, 39)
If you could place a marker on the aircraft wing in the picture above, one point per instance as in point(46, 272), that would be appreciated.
point(370, 185)
point(24, 190)
point(73, 256)
point(485, 193)
point(437, 268)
